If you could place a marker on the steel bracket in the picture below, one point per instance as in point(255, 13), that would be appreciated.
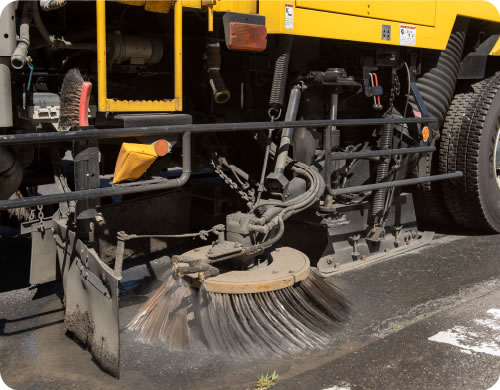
point(43, 250)
point(91, 293)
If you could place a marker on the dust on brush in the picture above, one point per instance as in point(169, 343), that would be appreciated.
point(282, 322)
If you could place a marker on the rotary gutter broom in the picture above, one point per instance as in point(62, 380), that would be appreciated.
point(246, 299)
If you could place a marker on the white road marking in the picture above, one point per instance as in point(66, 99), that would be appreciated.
point(482, 337)
point(344, 386)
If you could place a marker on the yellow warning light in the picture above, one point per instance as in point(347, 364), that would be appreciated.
point(426, 133)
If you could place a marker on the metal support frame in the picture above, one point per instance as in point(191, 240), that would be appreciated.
point(396, 183)
point(111, 191)
point(187, 131)
point(383, 152)
point(329, 131)
point(112, 105)
point(68, 136)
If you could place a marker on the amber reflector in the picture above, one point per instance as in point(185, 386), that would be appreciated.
point(245, 36)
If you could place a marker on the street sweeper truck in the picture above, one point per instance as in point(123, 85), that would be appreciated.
point(263, 145)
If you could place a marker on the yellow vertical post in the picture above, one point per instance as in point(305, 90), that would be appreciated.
point(178, 53)
point(102, 92)
point(210, 11)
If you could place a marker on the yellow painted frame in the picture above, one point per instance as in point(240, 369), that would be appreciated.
point(112, 105)
point(344, 26)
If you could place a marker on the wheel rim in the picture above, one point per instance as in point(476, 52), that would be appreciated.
point(496, 159)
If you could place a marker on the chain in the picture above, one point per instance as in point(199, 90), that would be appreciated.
point(41, 216)
point(248, 196)
point(395, 90)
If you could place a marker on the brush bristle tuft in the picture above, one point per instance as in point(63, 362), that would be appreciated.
point(282, 322)
point(70, 99)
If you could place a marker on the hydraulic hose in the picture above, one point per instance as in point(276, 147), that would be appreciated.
point(219, 91)
point(437, 84)
point(19, 57)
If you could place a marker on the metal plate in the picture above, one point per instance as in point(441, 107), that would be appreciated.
point(43, 251)
point(91, 298)
point(287, 266)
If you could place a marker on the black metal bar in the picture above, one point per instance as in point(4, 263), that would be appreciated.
point(61, 136)
point(418, 98)
point(109, 191)
point(396, 183)
point(386, 152)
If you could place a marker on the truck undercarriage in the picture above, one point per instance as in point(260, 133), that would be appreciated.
point(326, 150)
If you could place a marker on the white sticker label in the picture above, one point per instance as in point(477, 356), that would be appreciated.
point(407, 35)
point(288, 16)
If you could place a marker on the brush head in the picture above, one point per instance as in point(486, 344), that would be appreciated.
point(275, 270)
point(290, 320)
point(71, 92)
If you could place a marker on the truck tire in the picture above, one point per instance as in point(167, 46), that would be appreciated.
point(469, 140)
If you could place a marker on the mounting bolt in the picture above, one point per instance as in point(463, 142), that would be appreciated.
point(336, 265)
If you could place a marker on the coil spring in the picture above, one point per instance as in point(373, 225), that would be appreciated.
point(280, 72)
point(383, 170)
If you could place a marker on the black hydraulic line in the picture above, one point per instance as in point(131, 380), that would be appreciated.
point(396, 183)
point(13, 139)
point(385, 152)
point(110, 191)
point(437, 84)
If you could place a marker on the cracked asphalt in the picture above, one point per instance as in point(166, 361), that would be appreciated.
point(447, 291)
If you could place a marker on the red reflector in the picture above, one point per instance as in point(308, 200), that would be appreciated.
point(244, 36)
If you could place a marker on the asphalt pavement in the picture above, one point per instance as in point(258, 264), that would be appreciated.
point(428, 319)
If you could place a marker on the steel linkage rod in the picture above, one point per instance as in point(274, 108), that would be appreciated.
point(396, 183)
point(96, 134)
point(383, 152)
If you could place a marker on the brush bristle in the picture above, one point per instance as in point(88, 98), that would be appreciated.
point(20, 213)
point(70, 99)
point(281, 322)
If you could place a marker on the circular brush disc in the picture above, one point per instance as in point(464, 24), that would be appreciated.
point(285, 267)
point(280, 308)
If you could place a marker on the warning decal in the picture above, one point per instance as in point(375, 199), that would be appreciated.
point(407, 35)
point(289, 16)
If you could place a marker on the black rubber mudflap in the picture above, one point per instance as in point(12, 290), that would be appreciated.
point(467, 145)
